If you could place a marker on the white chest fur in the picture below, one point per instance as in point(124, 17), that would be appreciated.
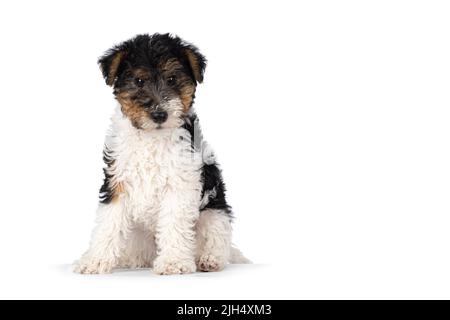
point(154, 168)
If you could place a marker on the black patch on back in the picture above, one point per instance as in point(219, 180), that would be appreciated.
point(192, 126)
point(106, 193)
point(212, 180)
point(211, 175)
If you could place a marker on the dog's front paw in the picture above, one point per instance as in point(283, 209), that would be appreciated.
point(210, 263)
point(173, 266)
point(93, 266)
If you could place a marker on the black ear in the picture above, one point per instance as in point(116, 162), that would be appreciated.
point(110, 63)
point(196, 61)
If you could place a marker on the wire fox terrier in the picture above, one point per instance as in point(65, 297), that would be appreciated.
point(162, 203)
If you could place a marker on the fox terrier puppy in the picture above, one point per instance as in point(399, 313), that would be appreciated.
point(162, 203)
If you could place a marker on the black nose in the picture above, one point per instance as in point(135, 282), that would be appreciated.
point(159, 116)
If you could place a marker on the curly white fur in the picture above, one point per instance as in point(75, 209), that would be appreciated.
point(156, 221)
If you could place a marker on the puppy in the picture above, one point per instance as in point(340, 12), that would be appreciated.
point(162, 203)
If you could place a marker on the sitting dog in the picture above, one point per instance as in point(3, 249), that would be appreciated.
point(162, 203)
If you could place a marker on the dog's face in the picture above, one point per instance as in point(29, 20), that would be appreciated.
point(154, 79)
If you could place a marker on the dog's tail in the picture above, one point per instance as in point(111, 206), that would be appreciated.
point(236, 256)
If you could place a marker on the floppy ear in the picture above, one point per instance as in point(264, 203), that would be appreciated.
point(196, 60)
point(109, 64)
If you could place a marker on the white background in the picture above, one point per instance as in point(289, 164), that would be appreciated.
point(331, 120)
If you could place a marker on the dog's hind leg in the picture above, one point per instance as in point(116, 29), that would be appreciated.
point(139, 251)
point(108, 239)
point(213, 240)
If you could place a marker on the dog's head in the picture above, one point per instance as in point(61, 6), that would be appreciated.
point(154, 79)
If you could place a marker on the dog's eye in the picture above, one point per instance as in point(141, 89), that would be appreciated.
point(171, 80)
point(139, 82)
